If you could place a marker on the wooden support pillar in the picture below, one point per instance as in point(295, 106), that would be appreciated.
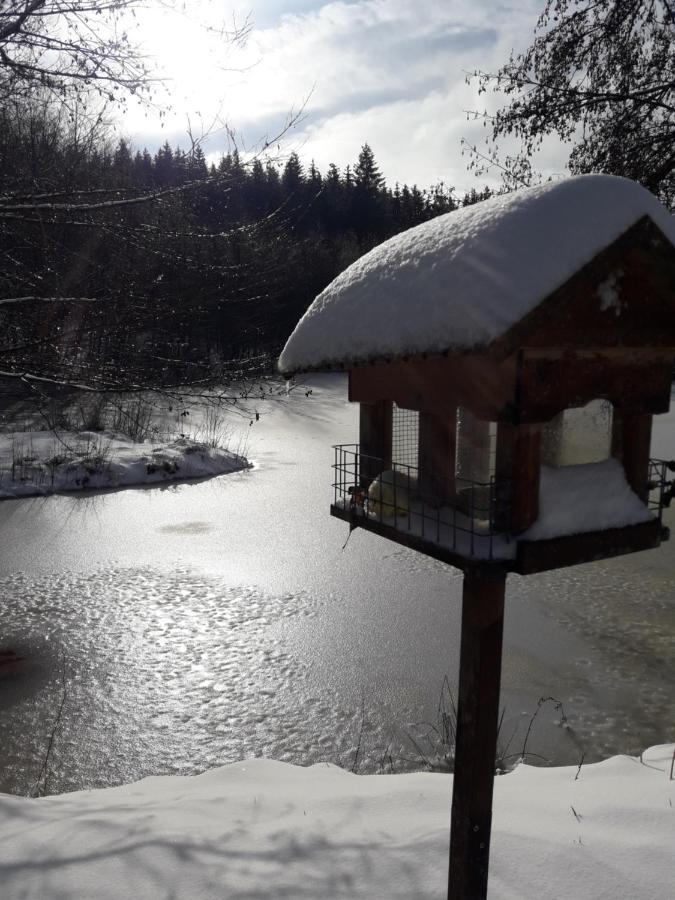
point(375, 424)
point(504, 455)
point(616, 446)
point(636, 436)
point(525, 474)
point(437, 452)
point(477, 726)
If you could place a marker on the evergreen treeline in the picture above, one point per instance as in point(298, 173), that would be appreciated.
point(127, 268)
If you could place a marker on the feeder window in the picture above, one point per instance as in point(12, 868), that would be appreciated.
point(579, 435)
point(476, 447)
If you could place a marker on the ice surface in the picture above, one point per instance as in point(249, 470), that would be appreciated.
point(581, 498)
point(465, 278)
point(262, 829)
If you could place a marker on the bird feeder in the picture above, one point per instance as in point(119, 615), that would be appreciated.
point(507, 360)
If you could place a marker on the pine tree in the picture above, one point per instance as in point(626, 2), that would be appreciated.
point(293, 176)
point(164, 170)
point(368, 206)
point(366, 172)
point(196, 164)
point(123, 163)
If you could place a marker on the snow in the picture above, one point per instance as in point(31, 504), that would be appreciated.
point(263, 829)
point(609, 295)
point(34, 463)
point(463, 279)
point(389, 494)
point(588, 497)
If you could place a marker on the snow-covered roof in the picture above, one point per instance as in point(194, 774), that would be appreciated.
point(463, 279)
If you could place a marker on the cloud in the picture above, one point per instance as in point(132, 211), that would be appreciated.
point(389, 72)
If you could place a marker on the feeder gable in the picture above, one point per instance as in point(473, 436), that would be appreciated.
point(622, 298)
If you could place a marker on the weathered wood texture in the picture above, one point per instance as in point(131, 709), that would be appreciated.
point(623, 297)
point(636, 436)
point(486, 387)
point(541, 556)
point(553, 380)
point(375, 433)
point(437, 456)
point(525, 449)
point(476, 743)
point(531, 386)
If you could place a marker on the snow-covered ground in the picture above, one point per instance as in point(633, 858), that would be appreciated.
point(34, 463)
point(265, 829)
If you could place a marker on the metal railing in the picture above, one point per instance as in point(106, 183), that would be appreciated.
point(474, 521)
point(659, 487)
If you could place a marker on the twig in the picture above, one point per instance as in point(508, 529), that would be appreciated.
point(44, 768)
point(581, 762)
point(540, 703)
point(355, 763)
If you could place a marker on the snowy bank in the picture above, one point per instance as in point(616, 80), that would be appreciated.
point(45, 462)
point(463, 279)
point(264, 829)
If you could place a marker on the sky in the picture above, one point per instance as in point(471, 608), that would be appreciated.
point(391, 73)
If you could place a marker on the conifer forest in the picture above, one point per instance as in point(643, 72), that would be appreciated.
point(123, 270)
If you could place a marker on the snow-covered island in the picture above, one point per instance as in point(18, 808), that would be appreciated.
point(34, 463)
point(261, 829)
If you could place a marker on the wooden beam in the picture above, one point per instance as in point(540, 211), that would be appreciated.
point(525, 475)
point(437, 452)
point(550, 381)
point(573, 549)
point(439, 385)
point(375, 433)
point(616, 449)
point(504, 456)
point(636, 435)
point(476, 742)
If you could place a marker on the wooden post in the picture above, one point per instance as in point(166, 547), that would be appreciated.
point(504, 456)
point(525, 474)
point(636, 435)
point(477, 725)
point(375, 424)
point(436, 460)
point(616, 447)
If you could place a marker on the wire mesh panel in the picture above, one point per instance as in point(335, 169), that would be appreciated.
point(474, 525)
point(405, 432)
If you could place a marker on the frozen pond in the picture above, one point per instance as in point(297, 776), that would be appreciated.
point(201, 623)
